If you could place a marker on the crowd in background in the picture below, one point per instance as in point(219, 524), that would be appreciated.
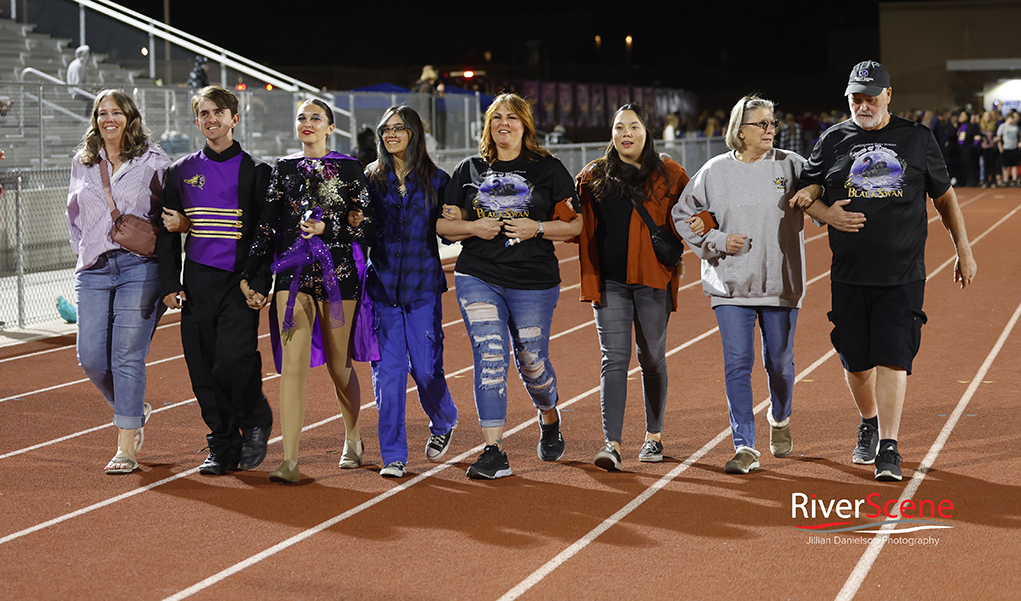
point(980, 148)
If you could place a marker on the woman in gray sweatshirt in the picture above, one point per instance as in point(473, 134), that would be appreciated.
point(752, 268)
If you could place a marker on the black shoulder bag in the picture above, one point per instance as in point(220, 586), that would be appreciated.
point(667, 246)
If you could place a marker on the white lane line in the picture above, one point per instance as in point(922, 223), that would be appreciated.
point(290, 542)
point(866, 561)
point(131, 493)
point(102, 427)
point(857, 576)
point(22, 395)
point(547, 568)
point(285, 544)
point(64, 348)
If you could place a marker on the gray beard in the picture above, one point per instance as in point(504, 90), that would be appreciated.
point(867, 122)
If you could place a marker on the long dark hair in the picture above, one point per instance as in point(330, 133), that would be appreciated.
point(416, 155)
point(613, 178)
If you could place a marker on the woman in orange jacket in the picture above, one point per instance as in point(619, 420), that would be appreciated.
point(621, 276)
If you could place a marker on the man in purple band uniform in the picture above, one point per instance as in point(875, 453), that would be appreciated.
point(216, 195)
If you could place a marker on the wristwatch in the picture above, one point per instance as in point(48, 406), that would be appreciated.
point(539, 232)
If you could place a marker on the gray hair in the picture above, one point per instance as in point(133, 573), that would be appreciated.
point(737, 117)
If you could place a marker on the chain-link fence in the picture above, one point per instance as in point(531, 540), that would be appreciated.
point(690, 153)
point(36, 262)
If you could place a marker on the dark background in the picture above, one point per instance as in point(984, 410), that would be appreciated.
point(797, 52)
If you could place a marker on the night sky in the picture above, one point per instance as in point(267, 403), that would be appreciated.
point(797, 52)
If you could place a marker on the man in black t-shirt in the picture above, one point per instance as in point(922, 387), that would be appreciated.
point(879, 167)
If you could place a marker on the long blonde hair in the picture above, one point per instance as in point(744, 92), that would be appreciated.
point(520, 107)
point(136, 138)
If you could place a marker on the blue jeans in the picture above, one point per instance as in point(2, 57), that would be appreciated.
point(737, 331)
point(647, 310)
point(410, 338)
point(117, 313)
point(495, 317)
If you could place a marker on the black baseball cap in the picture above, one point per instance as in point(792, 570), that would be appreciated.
point(868, 77)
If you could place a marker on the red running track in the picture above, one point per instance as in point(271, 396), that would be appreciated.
point(681, 529)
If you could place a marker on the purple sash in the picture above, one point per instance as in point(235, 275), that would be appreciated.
point(306, 251)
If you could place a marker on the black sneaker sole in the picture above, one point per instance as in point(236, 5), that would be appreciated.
point(888, 476)
point(860, 461)
point(477, 475)
point(607, 463)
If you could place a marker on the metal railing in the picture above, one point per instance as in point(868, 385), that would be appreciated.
point(37, 265)
point(691, 153)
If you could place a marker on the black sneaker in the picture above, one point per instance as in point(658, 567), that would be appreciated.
point(868, 444)
point(551, 443)
point(218, 463)
point(491, 465)
point(438, 444)
point(888, 464)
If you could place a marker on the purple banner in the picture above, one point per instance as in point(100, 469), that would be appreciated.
point(530, 92)
point(612, 99)
point(548, 116)
point(597, 98)
point(584, 113)
point(565, 92)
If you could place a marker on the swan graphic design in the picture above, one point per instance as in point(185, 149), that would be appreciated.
point(502, 193)
point(877, 172)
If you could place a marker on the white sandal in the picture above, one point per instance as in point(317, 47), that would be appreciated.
point(121, 464)
point(140, 433)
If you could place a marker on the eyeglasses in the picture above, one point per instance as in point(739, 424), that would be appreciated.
point(765, 124)
point(393, 129)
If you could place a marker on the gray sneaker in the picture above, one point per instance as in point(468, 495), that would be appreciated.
point(746, 460)
point(868, 445)
point(652, 451)
point(780, 442)
point(394, 469)
point(608, 458)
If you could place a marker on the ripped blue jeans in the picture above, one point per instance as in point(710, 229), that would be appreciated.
point(494, 317)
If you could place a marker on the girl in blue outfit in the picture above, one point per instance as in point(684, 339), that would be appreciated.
point(405, 281)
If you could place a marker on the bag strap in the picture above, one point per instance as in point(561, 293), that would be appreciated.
point(644, 214)
point(106, 188)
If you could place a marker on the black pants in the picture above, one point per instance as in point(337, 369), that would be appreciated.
point(219, 333)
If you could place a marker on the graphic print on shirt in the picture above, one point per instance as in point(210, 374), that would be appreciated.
point(876, 172)
point(503, 195)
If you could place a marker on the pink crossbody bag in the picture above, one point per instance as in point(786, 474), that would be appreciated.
point(132, 233)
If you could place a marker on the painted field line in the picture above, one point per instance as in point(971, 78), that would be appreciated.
point(290, 542)
point(65, 347)
point(547, 568)
point(857, 576)
point(79, 512)
point(580, 544)
point(65, 384)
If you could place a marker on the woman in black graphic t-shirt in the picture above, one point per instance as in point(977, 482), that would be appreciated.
point(506, 206)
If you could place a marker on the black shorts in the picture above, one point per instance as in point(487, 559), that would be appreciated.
point(1011, 158)
point(877, 325)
